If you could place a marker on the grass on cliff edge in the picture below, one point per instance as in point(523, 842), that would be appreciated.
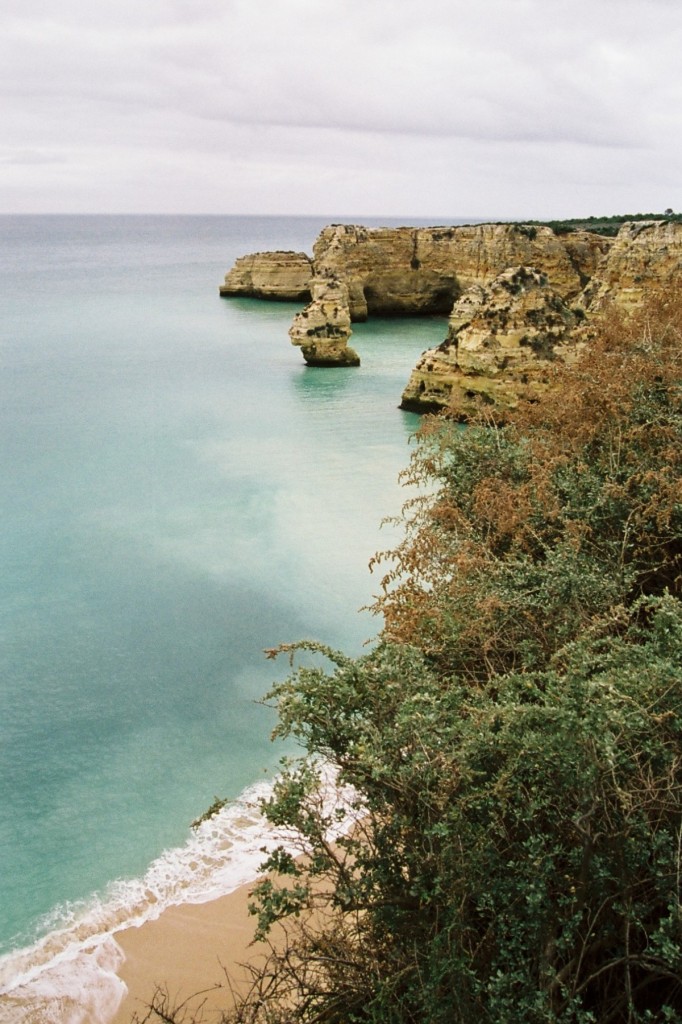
point(609, 226)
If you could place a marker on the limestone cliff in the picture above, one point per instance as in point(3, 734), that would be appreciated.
point(643, 252)
point(501, 337)
point(415, 271)
point(477, 364)
point(519, 296)
point(270, 275)
point(422, 271)
point(384, 271)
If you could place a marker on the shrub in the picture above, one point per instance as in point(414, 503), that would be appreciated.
point(514, 739)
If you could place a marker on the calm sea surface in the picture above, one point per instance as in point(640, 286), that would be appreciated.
point(178, 492)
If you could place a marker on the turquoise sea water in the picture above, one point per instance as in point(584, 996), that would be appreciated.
point(178, 492)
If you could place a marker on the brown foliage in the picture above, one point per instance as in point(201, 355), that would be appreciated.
point(588, 480)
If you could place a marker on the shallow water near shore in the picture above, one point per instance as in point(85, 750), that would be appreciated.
point(179, 492)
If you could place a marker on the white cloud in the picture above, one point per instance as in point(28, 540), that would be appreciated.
point(452, 105)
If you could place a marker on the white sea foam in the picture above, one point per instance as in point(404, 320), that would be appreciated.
point(69, 976)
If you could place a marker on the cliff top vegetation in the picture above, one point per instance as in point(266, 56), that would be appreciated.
point(609, 226)
point(514, 740)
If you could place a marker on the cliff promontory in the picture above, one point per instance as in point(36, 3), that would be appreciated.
point(518, 297)
point(503, 350)
point(420, 271)
point(270, 275)
point(501, 337)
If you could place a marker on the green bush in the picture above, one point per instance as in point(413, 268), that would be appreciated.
point(518, 857)
point(514, 741)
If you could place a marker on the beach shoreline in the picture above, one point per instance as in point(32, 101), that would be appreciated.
point(182, 928)
point(112, 976)
point(190, 948)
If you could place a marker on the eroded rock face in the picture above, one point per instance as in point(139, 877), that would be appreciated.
point(423, 271)
point(270, 275)
point(519, 297)
point(323, 328)
point(497, 367)
point(501, 339)
point(585, 250)
point(418, 271)
point(644, 252)
point(383, 271)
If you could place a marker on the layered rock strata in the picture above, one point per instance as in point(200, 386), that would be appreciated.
point(385, 272)
point(501, 339)
point(643, 253)
point(519, 297)
point(323, 328)
point(422, 271)
point(418, 271)
point(270, 275)
point(496, 355)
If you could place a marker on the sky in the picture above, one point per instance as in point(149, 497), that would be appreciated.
point(482, 109)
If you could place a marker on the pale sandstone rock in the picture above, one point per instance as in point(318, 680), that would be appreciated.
point(270, 275)
point(420, 271)
point(644, 252)
point(323, 328)
point(416, 271)
point(507, 288)
point(501, 339)
point(585, 251)
point(487, 367)
point(383, 271)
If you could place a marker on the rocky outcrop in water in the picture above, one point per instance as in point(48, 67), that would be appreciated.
point(421, 271)
point(501, 338)
point(270, 275)
point(518, 297)
point(385, 271)
point(323, 328)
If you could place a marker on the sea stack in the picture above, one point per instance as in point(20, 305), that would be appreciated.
point(323, 328)
point(518, 297)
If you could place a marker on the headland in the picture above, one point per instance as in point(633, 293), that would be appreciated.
point(517, 297)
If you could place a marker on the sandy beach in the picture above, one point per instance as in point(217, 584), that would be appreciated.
point(189, 949)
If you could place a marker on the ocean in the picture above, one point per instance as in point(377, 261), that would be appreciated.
point(179, 492)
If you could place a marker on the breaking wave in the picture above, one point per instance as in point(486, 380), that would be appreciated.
point(70, 976)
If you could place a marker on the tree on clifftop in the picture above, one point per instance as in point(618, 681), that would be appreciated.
point(514, 741)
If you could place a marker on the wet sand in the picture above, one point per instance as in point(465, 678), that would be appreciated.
point(189, 949)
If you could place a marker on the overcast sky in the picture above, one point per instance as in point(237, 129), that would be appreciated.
point(451, 108)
